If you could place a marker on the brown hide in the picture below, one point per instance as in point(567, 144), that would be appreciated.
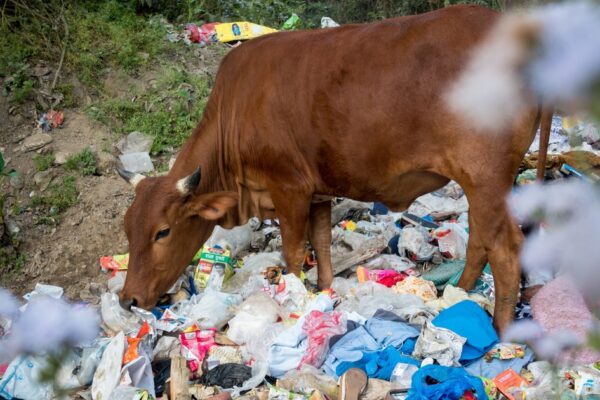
point(355, 111)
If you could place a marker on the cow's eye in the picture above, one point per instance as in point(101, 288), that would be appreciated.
point(162, 234)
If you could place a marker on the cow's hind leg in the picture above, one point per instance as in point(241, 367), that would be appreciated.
point(476, 258)
point(319, 234)
point(501, 238)
point(293, 211)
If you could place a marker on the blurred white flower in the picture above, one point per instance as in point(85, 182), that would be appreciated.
point(551, 51)
point(570, 212)
point(547, 346)
point(523, 331)
point(568, 58)
point(47, 324)
point(8, 303)
point(490, 90)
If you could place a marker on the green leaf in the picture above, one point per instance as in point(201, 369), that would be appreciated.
point(1, 163)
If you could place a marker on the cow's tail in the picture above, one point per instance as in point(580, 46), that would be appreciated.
point(545, 125)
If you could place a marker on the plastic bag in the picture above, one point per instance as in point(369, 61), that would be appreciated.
point(115, 317)
point(291, 293)
point(213, 310)
point(452, 240)
point(390, 261)
point(402, 376)
point(166, 347)
point(415, 242)
point(253, 316)
point(139, 372)
point(441, 344)
point(117, 282)
point(307, 379)
point(327, 22)
point(435, 382)
point(21, 379)
point(368, 297)
point(237, 239)
point(106, 377)
point(195, 346)
point(320, 327)
point(252, 267)
point(90, 359)
point(385, 277)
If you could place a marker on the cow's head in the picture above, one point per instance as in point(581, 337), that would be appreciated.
point(166, 224)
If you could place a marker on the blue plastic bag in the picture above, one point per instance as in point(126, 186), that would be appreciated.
point(435, 382)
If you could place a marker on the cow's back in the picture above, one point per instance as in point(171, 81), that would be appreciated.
point(354, 110)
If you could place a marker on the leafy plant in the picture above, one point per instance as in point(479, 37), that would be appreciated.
point(169, 111)
point(43, 162)
point(59, 197)
point(85, 162)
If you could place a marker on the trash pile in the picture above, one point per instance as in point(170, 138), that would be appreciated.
point(393, 325)
point(230, 32)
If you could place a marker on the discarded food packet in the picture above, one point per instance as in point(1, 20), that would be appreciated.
point(115, 263)
point(209, 257)
point(195, 346)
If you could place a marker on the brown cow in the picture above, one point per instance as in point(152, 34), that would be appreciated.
point(296, 118)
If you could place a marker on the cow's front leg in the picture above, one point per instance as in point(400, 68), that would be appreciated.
point(319, 234)
point(293, 211)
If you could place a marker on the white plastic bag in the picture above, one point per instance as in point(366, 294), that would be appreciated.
point(237, 239)
point(415, 240)
point(452, 240)
point(115, 317)
point(214, 309)
point(108, 372)
point(253, 317)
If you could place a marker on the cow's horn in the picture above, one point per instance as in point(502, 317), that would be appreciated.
point(189, 184)
point(130, 177)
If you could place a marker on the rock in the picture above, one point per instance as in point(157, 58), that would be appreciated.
point(135, 142)
point(43, 179)
point(36, 141)
point(16, 181)
point(40, 70)
point(61, 156)
point(137, 162)
point(106, 162)
point(12, 226)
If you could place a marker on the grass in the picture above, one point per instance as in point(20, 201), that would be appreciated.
point(85, 162)
point(111, 35)
point(43, 162)
point(69, 100)
point(102, 35)
point(59, 197)
point(11, 263)
point(168, 111)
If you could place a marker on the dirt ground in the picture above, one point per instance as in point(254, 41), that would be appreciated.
point(67, 253)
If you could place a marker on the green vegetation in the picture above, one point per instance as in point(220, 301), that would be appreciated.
point(168, 111)
point(43, 162)
point(58, 197)
point(85, 162)
point(97, 35)
point(69, 100)
point(274, 12)
point(11, 262)
point(110, 34)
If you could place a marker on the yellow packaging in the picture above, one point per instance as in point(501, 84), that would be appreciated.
point(232, 31)
point(209, 257)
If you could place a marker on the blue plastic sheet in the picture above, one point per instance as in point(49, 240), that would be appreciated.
point(435, 382)
point(470, 321)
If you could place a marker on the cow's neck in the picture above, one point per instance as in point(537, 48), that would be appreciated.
point(203, 149)
point(200, 150)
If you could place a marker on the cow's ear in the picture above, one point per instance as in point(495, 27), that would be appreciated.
point(212, 206)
